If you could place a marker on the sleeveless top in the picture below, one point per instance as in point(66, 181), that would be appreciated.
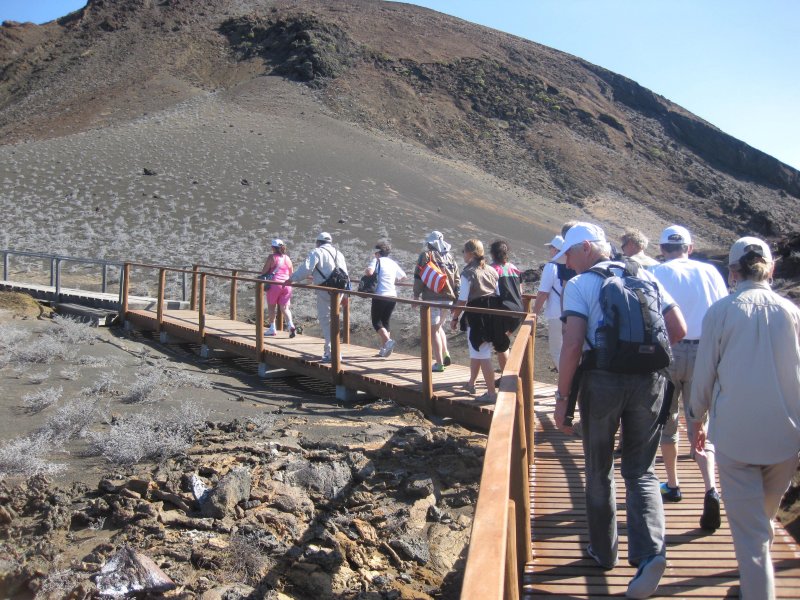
point(280, 267)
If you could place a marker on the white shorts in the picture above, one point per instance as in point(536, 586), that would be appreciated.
point(438, 313)
point(482, 353)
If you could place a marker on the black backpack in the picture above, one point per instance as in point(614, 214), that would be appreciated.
point(510, 295)
point(338, 279)
point(632, 338)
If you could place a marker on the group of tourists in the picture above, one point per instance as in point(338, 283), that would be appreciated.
point(731, 360)
point(437, 278)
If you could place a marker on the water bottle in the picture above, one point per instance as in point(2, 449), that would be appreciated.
point(601, 349)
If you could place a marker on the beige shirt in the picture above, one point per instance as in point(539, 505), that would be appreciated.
point(747, 375)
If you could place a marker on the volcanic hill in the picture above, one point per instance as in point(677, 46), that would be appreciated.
point(506, 134)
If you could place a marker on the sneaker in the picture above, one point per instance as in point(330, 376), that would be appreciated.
point(292, 331)
point(447, 362)
point(382, 352)
point(270, 332)
point(388, 347)
point(437, 368)
point(326, 358)
point(486, 398)
point(670, 494)
point(710, 521)
point(645, 583)
point(590, 553)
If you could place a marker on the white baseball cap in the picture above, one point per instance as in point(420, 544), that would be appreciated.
point(277, 243)
point(556, 242)
point(324, 236)
point(675, 234)
point(579, 233)
point(746, 245)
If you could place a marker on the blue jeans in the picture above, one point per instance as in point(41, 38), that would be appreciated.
point(606, 399)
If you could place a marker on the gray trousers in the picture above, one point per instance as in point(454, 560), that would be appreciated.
point(752, 494)
point(606, 399)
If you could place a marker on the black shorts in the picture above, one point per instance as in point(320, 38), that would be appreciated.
point(381, 313)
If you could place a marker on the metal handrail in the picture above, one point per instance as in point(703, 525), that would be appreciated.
point(56, 261)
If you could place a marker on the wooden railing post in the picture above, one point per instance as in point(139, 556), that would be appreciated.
point(126, 286)
point(512, 581)
point(346, 319)
point(162, 283)
point(193, 303)
point(278, 318)
point(520, 484)
point(259, 318)
point(336, 350)
point(527, 375)
point(201, 317)
point(234, 289)
point(426, 355)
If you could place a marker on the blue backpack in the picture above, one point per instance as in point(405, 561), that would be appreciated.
point(632, 337)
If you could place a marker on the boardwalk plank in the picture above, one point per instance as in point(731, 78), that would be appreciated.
point(699, 564)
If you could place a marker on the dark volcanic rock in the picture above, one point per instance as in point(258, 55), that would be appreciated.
point(232, 489)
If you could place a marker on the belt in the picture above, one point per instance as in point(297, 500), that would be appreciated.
point(689, 342)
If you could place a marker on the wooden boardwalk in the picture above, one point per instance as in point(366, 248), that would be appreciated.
point(699, 564)
point(397, 377)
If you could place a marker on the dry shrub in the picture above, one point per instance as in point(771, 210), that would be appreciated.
point(37, 401)
point(73, 418)
point(151, 435)
point(25, 456)
point(72, 331)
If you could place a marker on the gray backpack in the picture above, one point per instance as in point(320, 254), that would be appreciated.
point(632, 337)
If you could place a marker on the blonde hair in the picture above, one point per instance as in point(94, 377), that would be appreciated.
point(476, 247)
point(753, 267)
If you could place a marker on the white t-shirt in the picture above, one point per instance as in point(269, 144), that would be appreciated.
point(582, 299)
point(390, 273)
point(695, 286)
point(551, 285)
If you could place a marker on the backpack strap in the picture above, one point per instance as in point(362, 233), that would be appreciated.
point(316, 267)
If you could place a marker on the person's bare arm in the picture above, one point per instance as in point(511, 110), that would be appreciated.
point(676, 325)
point(571, 350)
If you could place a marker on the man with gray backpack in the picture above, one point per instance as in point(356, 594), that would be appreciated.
point(619, 324)
point(326, 266)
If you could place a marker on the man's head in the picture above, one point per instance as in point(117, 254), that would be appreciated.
point(324, 238)
point(555, 245)
point(584, 245)
point(567, 226)
point(675, 242)
point(632, 242)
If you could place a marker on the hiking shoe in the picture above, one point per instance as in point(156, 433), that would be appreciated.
point(486, 398)
point(326, 358)
point(645, 583)
point(590, 554)
point(388, 347)
point(270, 332)
point(292, 331)
point(437, 368)
point(382, 352)
point(710, 520)
point(447, 362)
point(670, 494)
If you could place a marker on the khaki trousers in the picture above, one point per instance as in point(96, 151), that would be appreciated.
point(752, 494)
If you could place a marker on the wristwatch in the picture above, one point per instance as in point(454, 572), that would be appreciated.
point(560, 396)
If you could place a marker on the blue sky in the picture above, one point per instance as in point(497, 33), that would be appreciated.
point(735, 63)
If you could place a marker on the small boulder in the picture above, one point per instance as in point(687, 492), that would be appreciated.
point(234, 487)
point(128, 572)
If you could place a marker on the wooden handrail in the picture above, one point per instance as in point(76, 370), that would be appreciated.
point(500, 542)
